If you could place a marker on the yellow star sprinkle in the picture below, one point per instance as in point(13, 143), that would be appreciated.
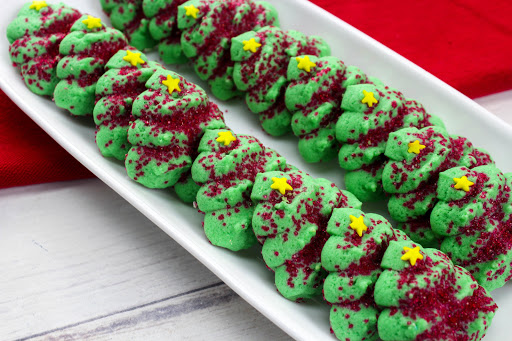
point(412, 255)
point(172, 84)
point(462, 183)
point(415, 147)
point(38, 5)
point(92, 22)
point(281, 184)
point(191, 11)
point(251, 45)
point(305, 63)
point(369, 99)
point(226, 137)
point(358, 225)
point(133, 58)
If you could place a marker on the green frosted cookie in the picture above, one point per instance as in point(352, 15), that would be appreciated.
point(314, 97)
point(366, 183)
point(261, 62)
point(290, 220)
point(420, 231)
point(186, 188)
point(35, 36)
point(474, 214)
point(426, 297)
point(352, 256)
point(226, 169)
point(208, 26)
point(128, 17)
point(371, 113)
point(86, 50)
point(163, 26)
point(170, 118)
point(127, 73)
point(416, 159)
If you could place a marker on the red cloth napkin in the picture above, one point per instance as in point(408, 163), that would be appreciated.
point(28, 155)
point(466, 43)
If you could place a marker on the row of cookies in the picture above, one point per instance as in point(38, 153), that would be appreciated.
point(289, 80)
point(146, 116)
point(130, 77)
point(286, 76)
point(379, 283)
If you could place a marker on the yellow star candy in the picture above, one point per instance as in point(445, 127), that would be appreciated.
point(191, 11)
point(172, 84)
point(226, 137)
point(412, 255)
point(92, 22)
point(281, 184)
point(415, 147)
point(305, 64)
point(369, 99)
point(133, 58)
point(251, 45)
point(38, 5)
point(358, 225)
point(462, 183)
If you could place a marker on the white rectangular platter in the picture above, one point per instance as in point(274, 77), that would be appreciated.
point(245, 272)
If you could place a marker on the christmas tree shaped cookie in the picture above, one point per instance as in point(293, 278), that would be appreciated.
point(474, 215)
point(86, 50)
point(128, 17)
point(171, 116)
point(163, 26)
point(226, 169)
point(417, 156)
point(426, 297)
point(371, 113)
point(208, 26)
point(290, 220)
point(35, 36)
point(352, 256)
point(127, 73)
point(261, 62)
point(314, 96)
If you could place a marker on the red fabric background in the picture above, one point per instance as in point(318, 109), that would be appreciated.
point(28, 155)
point(466, 43)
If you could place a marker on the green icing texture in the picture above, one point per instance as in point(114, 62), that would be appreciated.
point(116, 90)
point(206, 39)
point(226, 175)
point(167, 129)
point(314, 99)
point(163, 26)
point(477, 225)
point(35, 37)
point(85, 51)
point(363, 130)
point(262, 74)
point(353, 263)
point(432, 300)
point(292, 229)
point(366, 183)
point(186, 188)
point(128, 17)
point(411, 179)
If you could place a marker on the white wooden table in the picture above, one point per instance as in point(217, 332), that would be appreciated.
point(78, 262)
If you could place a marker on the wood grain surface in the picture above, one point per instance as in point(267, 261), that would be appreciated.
point(79, 263)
